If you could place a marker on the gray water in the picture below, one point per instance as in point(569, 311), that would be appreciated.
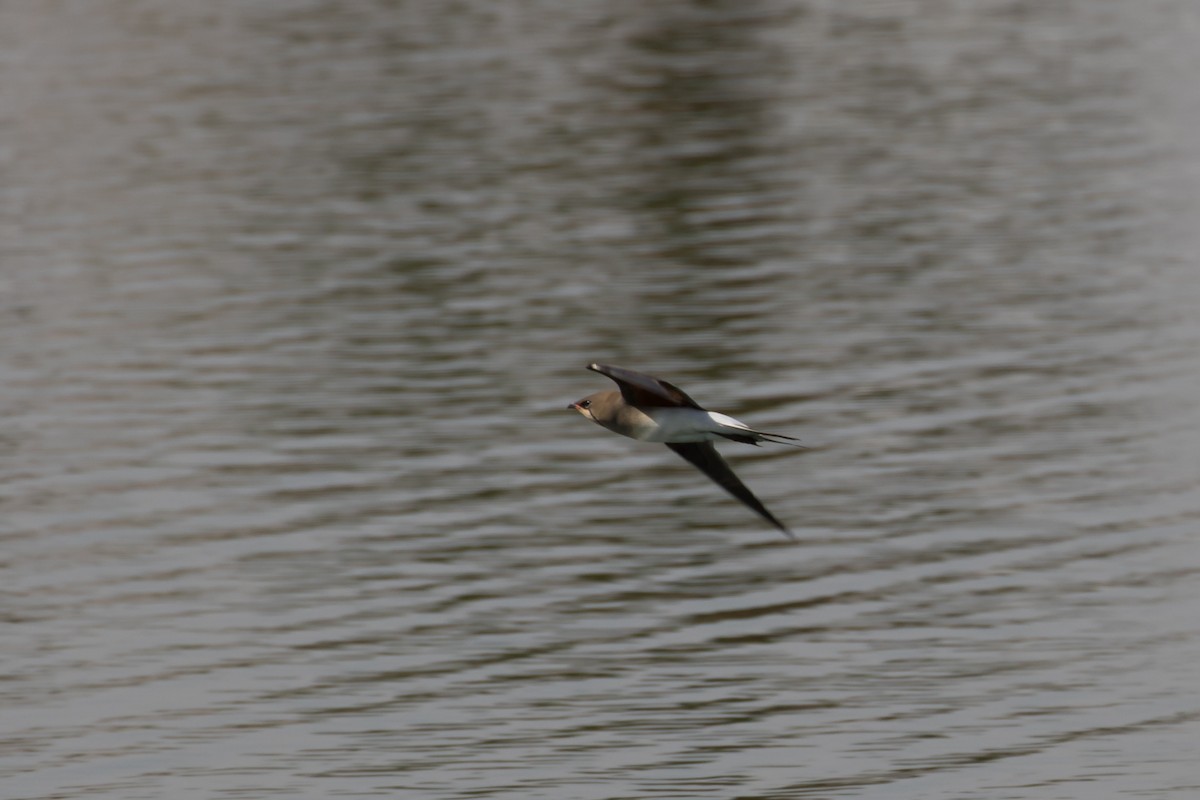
point(293, 297)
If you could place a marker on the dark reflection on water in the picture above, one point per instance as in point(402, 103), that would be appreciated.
point(293, 296)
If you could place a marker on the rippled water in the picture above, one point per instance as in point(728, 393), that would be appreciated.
point(293, 296)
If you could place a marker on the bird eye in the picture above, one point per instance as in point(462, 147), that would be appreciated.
point(585, 403)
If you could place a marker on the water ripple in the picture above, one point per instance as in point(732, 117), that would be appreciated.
point(292, 506)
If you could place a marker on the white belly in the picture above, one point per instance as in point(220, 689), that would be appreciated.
point(687, 425)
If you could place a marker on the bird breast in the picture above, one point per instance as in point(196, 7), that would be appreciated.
point(685, 425)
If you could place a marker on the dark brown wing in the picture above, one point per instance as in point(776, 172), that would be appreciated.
point(644, 390)
point(704, 457)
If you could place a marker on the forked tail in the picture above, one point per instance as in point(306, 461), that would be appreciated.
point(754, 437)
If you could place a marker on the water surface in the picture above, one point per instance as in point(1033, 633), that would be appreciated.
point(293, 297)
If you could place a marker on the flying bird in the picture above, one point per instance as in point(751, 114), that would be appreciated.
point(652, 410)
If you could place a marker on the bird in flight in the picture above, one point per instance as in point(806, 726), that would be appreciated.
point(652, 410)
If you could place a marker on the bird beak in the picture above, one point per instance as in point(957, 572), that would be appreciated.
point(573, 407)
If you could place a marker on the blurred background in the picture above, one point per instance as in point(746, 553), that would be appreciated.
point(293, 297)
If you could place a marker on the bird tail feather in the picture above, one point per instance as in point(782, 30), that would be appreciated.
point(755, 437)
